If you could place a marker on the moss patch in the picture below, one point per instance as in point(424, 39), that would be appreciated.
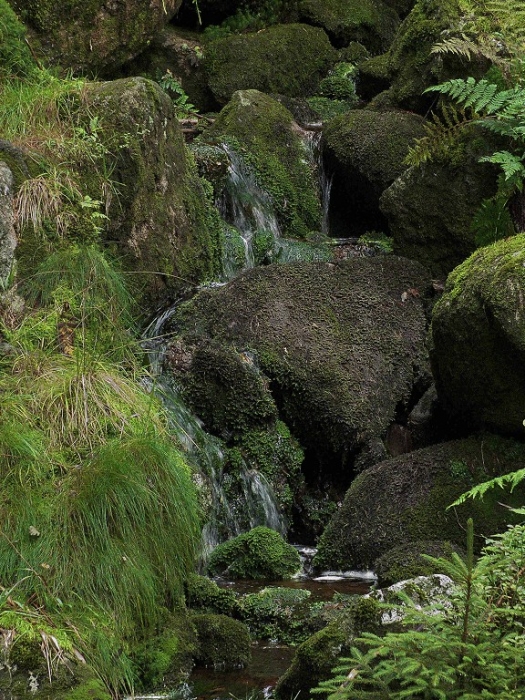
point(286, 59)
point(405, 500)
point(370, 22)
point(223, 642)
point(259, 554)
point(478, 331)
point(269, 140)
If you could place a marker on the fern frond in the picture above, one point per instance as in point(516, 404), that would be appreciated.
point(441, 136)
point(504, 481)
point(482, 96)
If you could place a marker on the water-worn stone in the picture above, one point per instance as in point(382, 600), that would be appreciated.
point(94, 36)
point(341, 347)
point(7, 231)
point(478, 331)
point(365, 151)
point(405, 499)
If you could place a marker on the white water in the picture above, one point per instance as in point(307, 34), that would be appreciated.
point(249, 210)
point(231, 510)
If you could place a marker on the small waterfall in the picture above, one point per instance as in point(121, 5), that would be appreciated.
point(312, 138)
point(248, 209)
point(234, 504)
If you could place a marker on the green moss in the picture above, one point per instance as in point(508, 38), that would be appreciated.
point(222, 641)
point(478, 333)
point(405, 561)
point(204, 594)
point(370, 22)
point(406, 499)
point(228, 392)
point(314, 660)
point(265, 132)
point(165, 657)
point(276, 454)
point(280, 614)
point(287, 59)
point(15, 56)
point(90, 690)
point(413, 66)
point(260, 553)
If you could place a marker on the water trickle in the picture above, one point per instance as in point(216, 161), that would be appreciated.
point(312, 139)
point(234, 504)
point(248, 209)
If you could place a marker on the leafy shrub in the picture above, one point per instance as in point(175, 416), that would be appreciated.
point(260, 553)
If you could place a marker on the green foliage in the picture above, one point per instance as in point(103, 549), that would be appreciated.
point(173, 87)
point(378, 241)
point(278, 614)
point(470, 647)
point(247, 20)
point(499, 111)
point(340, 82)
point(260, 553)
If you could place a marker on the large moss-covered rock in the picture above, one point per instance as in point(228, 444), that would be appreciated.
point(371, 22)
point(405, 499)
point(409, 63)
point(93, 36)
point(285, 59)
point(161, 221)
point(365, 151)
point(260, 553)
point(270, 141)
point(430, 209)
point(342, 346)
point(478, 331)
point(222, 641)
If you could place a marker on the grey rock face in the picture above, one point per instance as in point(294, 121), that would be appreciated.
point(7, 230)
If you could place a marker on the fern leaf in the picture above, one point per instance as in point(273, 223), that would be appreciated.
point(478, 491)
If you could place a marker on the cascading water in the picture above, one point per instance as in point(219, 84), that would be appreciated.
point(230, 510)
point(248, 209)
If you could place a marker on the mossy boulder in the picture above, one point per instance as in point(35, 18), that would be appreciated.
point(179, 51)
point(270, 142)
point(430, 208)
point(478, 331)
point(318, 655)
point(161, 223)
point(341, 346)
point(409, 64)
point(286, 59)
point(25, 672)
point(222, 641)
point(406, 560)
point(260, 553)
point(93, 36)
point(405, 499)
point(277, 613)
point(165, 658)
point(365, 151)
point(203, 594)
point(371, 22)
